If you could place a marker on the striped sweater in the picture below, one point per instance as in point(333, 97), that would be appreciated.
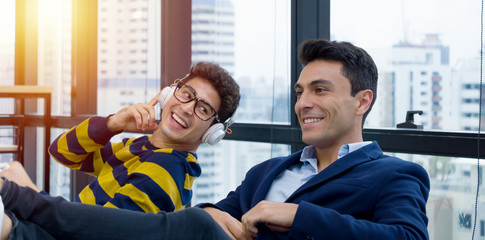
point(132, 174)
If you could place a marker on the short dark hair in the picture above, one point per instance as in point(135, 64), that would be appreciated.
point(358, 65)
point(225, 85)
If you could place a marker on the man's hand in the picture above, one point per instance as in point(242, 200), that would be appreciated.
point(277, 216)
point(16, 173)
point(137, 117)
point(230, 225)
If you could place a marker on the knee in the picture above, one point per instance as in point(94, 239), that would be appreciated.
point(198, 215)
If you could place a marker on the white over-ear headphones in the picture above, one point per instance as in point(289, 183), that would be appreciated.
point(214, 134)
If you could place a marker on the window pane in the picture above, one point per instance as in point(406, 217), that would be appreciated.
point(224, 166)
point(7, 43)
point(428, 57)
point(253, 44)
point(7, 59)
point(450, 207)
point(54, 69)
point(54, 53)
point(128, 53)
point(60, 178)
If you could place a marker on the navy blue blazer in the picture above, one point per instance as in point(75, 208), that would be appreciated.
point(364, 195)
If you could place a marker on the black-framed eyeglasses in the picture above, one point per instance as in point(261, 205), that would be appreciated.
point(202, 109)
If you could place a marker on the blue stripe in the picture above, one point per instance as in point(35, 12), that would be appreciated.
point(186, 196)
point(156, 194)
point(101, 197)
point(175, 166)
point(194, 169)
point(106, 152)
point(120, 173)
point(125, 202)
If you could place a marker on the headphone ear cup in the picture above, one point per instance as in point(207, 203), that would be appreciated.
point(214, 134)
point(167, 93)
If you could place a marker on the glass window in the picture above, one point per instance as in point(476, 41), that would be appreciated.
point(451, 202)
point(60, 176)
point(7, 43)
point(54, 52)
point(225, 165)
point(54, 34)
point(250, 39)
point(7, 62)
point(428, 56)
point(128, 53)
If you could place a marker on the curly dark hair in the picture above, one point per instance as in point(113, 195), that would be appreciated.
point(225, 85)
point(358, 65)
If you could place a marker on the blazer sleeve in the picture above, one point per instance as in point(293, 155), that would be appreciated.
point(399, 212)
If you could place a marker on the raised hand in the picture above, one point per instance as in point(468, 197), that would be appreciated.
point(137, 117)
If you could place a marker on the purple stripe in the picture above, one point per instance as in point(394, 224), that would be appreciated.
point(73, 144)
point(88, 165)
point(98, 130)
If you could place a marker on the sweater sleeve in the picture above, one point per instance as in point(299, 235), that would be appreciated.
point(85, 147)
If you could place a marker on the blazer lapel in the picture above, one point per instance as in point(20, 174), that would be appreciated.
point(263, 187)
point(364, 154)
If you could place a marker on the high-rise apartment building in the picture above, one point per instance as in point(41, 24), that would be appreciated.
point(213, 32)
point(466, 89)
point(128, 53)
point(416, 78)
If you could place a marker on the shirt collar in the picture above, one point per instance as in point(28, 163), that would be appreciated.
point(309, 154)
point(348, 148)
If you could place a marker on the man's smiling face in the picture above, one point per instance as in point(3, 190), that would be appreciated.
point(179, 123)
point(325, 108)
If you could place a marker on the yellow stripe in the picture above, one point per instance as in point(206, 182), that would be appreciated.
point(108, 204)
point(83, 138)
point(140, 198)
point(164, 150)
point(117, 146)
point(191, 158)
point(63, 149)
point(86, 143)
point(163, 179)
point(86, 196)
point(125, 154)
point(189, 181)
point(107, 181)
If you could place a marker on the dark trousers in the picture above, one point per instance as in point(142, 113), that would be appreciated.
point(44, 217)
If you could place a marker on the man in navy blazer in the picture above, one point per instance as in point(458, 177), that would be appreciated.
point(338, 187)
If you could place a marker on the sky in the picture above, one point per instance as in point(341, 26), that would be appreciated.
point(262, 28)
point(7, 15)
point(382, 23)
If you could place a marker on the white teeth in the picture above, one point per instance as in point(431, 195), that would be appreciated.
point(312, 120)
point(179, 120)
